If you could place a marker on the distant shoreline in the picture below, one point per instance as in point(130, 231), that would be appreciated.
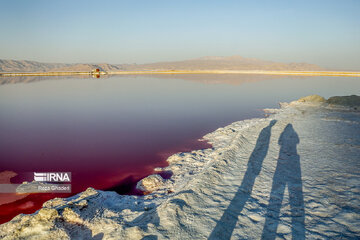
point(144, 72)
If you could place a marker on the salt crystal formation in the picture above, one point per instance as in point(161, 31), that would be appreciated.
point(150, 183)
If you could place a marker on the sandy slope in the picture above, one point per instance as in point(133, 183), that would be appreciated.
point(295, 174)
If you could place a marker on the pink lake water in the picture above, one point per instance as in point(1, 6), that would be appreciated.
point(111, 132)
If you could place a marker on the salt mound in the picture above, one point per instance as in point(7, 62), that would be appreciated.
point(150, 183)
point(312, 98)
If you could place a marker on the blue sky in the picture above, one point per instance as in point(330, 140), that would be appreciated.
point(323, 32)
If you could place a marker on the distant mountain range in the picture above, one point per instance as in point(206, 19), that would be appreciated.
point(204, 63)
point(33, 66)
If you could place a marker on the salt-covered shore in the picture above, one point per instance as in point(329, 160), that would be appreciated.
point(293, 174)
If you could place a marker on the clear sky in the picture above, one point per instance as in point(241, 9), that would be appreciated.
point(324, 32)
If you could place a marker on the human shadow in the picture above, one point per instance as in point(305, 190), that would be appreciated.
point(225, 226)
point(288, 172)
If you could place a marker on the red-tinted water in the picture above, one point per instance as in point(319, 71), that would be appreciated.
point(106, 173)
point(104, 166)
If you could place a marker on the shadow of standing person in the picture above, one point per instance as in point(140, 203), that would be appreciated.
point(225, 226)
point(288, 172)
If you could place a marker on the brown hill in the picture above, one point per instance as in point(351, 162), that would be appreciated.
point(28, 66)
point(33, 66)
point(88, 67)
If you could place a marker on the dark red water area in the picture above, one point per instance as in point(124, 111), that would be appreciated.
point(107, 161)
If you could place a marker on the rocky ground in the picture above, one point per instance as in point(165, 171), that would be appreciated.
point(295, 174)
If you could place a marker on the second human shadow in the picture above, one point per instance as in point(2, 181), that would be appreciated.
point(225, 226)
